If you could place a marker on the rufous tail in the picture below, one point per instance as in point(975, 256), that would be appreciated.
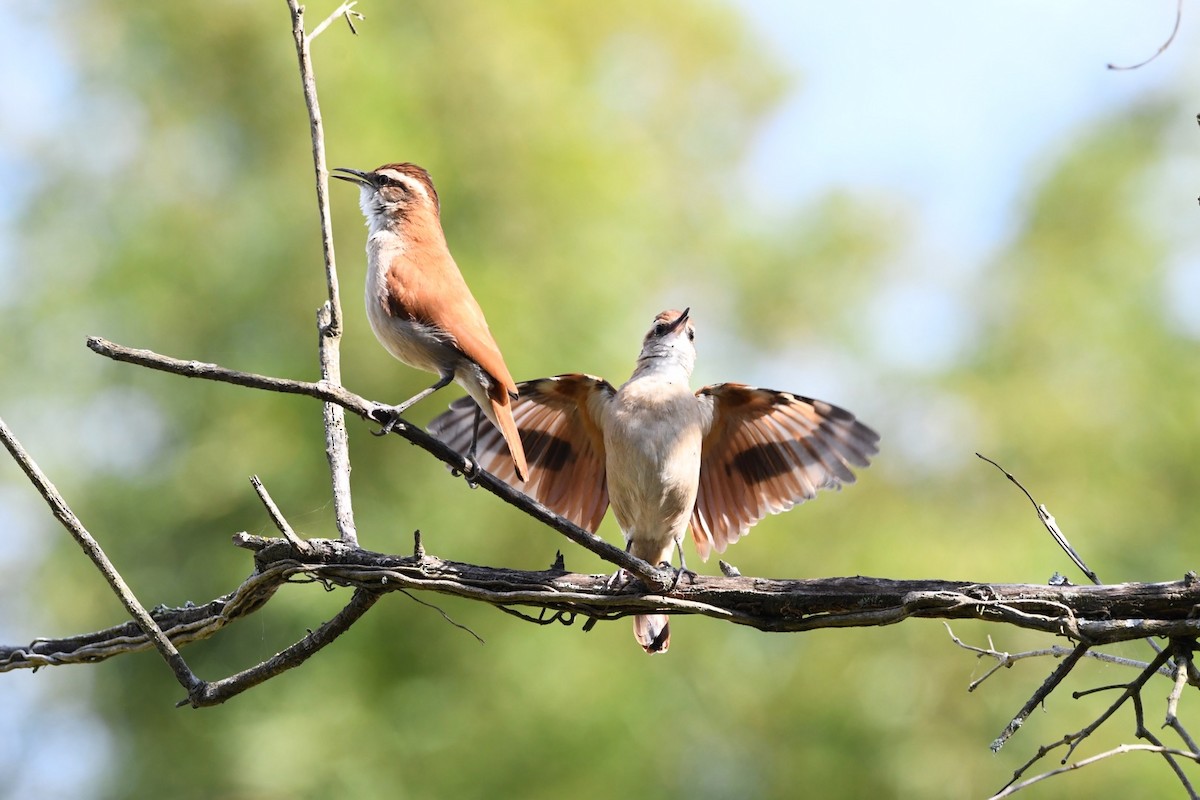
point(652, 632)
point(502, 411)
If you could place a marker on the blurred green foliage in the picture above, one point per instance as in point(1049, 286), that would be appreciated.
point(588, 160)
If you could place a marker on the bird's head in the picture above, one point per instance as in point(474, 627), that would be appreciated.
point(392, 193)
point(670, 341)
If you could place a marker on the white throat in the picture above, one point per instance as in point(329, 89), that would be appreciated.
point(377, 218)
point(666, 360)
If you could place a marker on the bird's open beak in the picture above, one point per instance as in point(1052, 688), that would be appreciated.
point(682, 318)
point(353, 175)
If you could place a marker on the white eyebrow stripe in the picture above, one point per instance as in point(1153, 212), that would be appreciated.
point(409, 181)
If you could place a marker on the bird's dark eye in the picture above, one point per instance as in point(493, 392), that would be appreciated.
point(691, 334)
point(388, 180)
point(660, 328)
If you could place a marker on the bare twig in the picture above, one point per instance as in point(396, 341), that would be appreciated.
point(1052, 681)
point(277, 517)
point(1006, 660)
point(345, 11)
point(1012, 789)
point(317, 130)
point(1163, 48)
point(1182, 655)
point(329, 318)
point(1142, 732)
point(1073, 740)
point(1051, 525)
point(654, 578)
point(1048, 520)
point(63, 513)
point(217, 692)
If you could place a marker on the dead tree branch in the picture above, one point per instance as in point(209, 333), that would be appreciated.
point(1006, 660)
point(658, 579)
point(63, 513)
point(1102, 614)
point(329, 317)
point(217, 692)
point(1131, 692)
point(1009, 791)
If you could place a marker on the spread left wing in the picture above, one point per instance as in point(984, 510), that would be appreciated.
point(767, 451)
point(563, 443)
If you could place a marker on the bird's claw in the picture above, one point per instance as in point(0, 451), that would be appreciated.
point(393, 418)
point(678, 574)
point(617, 580)
point(471, 472)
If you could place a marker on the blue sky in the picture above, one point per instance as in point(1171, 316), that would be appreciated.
point(952, 105)
point(955, 110)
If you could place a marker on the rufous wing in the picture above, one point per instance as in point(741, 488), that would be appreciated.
point(563, 443)
point(767, 451)
point(435, 293)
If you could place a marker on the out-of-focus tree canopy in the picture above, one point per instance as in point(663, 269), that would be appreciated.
point(587, 156)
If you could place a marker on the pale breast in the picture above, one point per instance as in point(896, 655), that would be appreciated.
point(416, 343)
point(652, 440)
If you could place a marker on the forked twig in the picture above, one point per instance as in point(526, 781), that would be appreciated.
point(217, 692)
point(1073, 740)
point(1005, 660)
point(345, 11)
point(63, 513)
point(1012, 789)
point(1049, 685)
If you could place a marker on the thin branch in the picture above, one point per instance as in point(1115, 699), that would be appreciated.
point(1182, 653)
point(656, 579)
point(191, 623)
point(345, 10)
point(1005, 660)
point(1073, 740)
point(329, 318)
point(1163, 48)
point(1142, 732)
point(317, 130)
point(63, 513)
point(1048, 520)
point(1132, 690)
point(1049, 685)
point(1060, 538)
point(1010, 790)
point(217, 692)
point(277, 517)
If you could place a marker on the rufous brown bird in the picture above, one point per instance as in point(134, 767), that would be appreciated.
point(719, 459)
point(419, 305)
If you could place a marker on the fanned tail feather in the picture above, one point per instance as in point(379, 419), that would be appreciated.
point(653, 632)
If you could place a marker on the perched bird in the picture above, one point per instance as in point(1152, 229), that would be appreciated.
point(720, 459)
point(418, 303)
